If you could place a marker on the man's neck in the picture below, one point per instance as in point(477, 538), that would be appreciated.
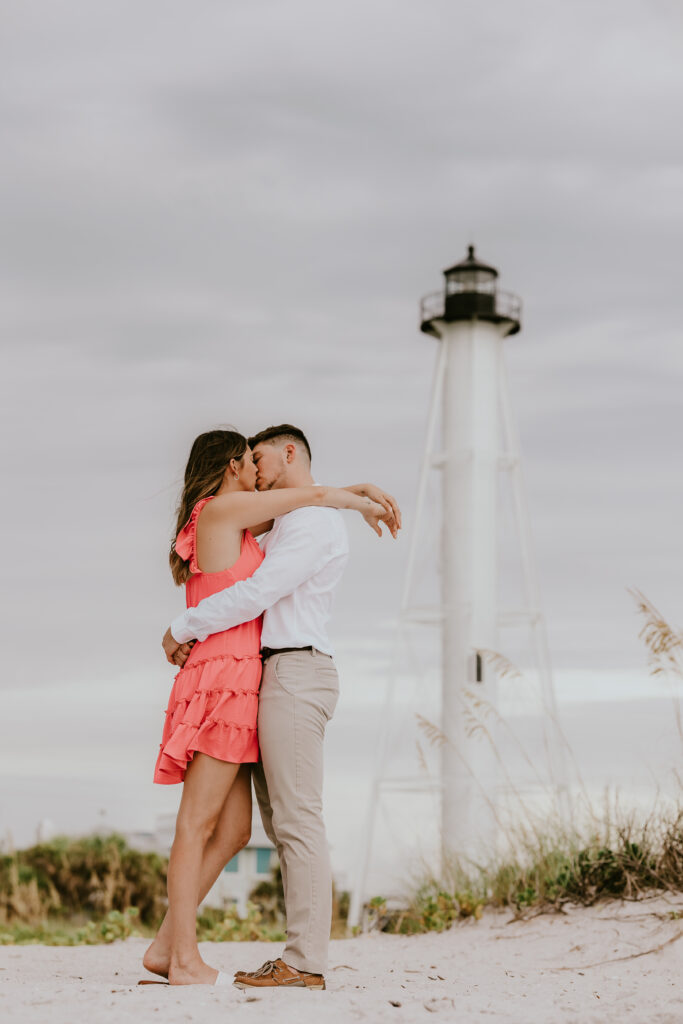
point(296, 478)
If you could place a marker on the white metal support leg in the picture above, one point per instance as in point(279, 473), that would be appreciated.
point(554, 750)
point(356, 903)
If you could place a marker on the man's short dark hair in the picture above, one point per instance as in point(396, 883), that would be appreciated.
point(285, 432)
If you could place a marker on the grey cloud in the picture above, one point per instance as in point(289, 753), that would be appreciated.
point(230, 214)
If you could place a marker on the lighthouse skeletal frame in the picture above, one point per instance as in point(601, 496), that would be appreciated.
point(470, 318)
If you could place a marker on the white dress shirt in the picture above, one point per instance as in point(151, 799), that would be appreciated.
point(306, 553)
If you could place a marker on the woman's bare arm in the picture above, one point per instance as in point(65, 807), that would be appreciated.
point(366, 491)
point(245, 509)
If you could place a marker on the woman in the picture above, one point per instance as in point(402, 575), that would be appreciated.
point(209, 738)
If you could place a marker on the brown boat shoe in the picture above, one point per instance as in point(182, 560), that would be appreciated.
point(276, 974)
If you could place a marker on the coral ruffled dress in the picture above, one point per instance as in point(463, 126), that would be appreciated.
point(214, 701)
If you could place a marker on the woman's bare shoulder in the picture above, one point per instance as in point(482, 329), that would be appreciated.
point(221, 506)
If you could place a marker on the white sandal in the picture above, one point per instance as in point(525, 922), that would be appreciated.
point(221, 979)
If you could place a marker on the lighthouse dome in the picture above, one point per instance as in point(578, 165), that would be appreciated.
point(470, 275)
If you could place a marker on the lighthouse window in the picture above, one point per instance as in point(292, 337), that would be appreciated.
point(475, 667)
point(471, 281)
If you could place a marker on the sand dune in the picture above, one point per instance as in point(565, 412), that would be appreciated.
point(616, 962)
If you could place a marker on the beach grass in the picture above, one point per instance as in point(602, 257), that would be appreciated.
point(549, 861)
point(622, 860)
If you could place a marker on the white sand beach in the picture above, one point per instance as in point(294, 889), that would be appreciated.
point(614, 962)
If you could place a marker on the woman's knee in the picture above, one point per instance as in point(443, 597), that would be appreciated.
point(232, 839)
point(243, 836)
point(193, 828)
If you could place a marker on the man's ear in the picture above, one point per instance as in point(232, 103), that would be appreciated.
point(290, 452)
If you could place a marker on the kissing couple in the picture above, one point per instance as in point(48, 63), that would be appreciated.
point(256, 687)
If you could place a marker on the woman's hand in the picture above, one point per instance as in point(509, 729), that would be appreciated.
point(389, 502)
point(381, 496)
point(375, 514)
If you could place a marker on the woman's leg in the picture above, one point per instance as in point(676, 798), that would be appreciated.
point(232, 833)
point(207, 784)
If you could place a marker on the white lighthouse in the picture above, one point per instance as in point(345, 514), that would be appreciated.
point(470, 318)
point(471, 442)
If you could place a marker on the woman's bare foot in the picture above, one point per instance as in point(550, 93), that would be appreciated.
point(157, 959)
point(195, 972)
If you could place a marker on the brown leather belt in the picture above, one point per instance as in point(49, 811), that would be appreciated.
point(268, 652)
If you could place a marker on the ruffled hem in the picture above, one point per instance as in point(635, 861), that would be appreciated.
point(226, 741)
point(212, 710)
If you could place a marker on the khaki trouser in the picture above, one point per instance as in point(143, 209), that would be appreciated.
point(299, 692)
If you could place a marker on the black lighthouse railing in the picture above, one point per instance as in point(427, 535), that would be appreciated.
point(487, 305)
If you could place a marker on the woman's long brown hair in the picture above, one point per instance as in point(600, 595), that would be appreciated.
point(209, 458)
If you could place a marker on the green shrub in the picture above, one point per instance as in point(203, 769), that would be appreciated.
point(228, 926)
point(115, 925)
point(93, 875)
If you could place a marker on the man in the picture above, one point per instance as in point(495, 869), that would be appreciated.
point(306, 552)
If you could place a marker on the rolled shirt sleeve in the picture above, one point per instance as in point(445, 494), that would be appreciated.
point(297, 556)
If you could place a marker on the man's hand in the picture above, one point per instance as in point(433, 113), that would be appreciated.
point(176, 654)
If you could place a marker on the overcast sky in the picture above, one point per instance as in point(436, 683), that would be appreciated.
point(227, 212)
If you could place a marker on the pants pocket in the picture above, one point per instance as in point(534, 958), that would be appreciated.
point(331, 705)
point(291, 671)
point(327, 687)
